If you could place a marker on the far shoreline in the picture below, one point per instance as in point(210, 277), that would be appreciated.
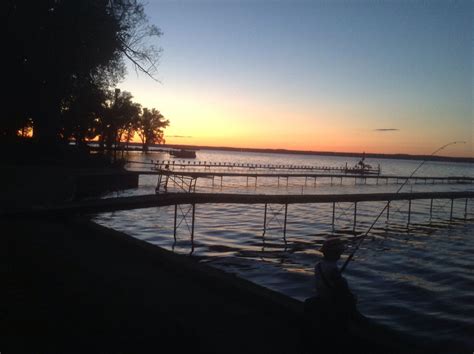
point(316, 153)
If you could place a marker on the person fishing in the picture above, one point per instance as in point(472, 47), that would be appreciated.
point(332, 288)
point(332, 311)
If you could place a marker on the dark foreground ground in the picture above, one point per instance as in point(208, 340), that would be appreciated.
point(71, 286)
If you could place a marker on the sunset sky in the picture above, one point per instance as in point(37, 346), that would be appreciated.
point(373, 76)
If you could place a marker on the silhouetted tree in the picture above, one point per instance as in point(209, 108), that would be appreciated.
point(150, 127)
point(118, 115)
point(127, 132)
point(82, 112)
point(52, 45)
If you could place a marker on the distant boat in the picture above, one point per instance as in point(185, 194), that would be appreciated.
point(186, 154)
point(363, 168)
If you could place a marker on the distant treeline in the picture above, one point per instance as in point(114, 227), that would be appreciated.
point(327, 153)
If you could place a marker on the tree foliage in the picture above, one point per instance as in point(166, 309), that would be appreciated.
point(118, 116)
point(150, 127)
point(82, 113)
point(63, 56)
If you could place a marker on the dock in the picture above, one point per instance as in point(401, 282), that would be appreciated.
point(149, 201)
point(385, 179)
point(187, 180)
point(185, 174)
point(209, 165)
point(87, 207)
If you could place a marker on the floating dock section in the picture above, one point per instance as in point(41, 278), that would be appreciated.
point(187, 181)
point(184, 175)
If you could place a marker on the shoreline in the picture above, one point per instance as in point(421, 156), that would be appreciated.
point(136, 147)
point(73, 285)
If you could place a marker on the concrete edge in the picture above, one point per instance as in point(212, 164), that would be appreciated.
point(231, 284)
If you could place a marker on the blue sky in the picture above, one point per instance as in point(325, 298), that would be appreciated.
point(314, 75)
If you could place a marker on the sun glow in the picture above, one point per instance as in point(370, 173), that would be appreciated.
point(242, 122)
point(328, 81)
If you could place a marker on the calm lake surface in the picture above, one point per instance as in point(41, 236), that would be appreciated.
point(417, 279)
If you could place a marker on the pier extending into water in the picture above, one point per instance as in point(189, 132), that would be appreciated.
point(194, 199)
point(188, 165)
point(184, 176)
point(186, 181)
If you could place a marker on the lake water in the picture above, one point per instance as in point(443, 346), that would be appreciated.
point(417, 279)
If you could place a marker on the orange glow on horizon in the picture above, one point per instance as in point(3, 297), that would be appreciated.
point(26, 132)
point(206, 117)
point(454, 151)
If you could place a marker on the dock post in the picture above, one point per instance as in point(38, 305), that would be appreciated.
point(265, 220)
point(166, 182)
point(305, 180)
point(192, 223)
point(278, 181)
point(287, 178)
point(333, 214)
point(284, 224)
point(221, 180)
point(157, 189)
point(256, 181)
point(331, 180)
point(175, 215)
point(451, 213)
point(409, 212)
point(247, 181)
point(431, 208)
point(388, 210)
point(465, 210)
point(315, 181)
point(355, 217)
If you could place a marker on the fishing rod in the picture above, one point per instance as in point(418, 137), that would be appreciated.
point(388, 202)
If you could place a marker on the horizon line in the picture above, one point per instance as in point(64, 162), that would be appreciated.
point(318, 152)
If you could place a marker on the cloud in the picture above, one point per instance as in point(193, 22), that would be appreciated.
point(386, 130)
point(179, 136)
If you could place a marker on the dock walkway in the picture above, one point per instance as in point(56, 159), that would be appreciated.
point(148, 201)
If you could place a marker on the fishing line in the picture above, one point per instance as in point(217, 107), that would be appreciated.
point(387, 204)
